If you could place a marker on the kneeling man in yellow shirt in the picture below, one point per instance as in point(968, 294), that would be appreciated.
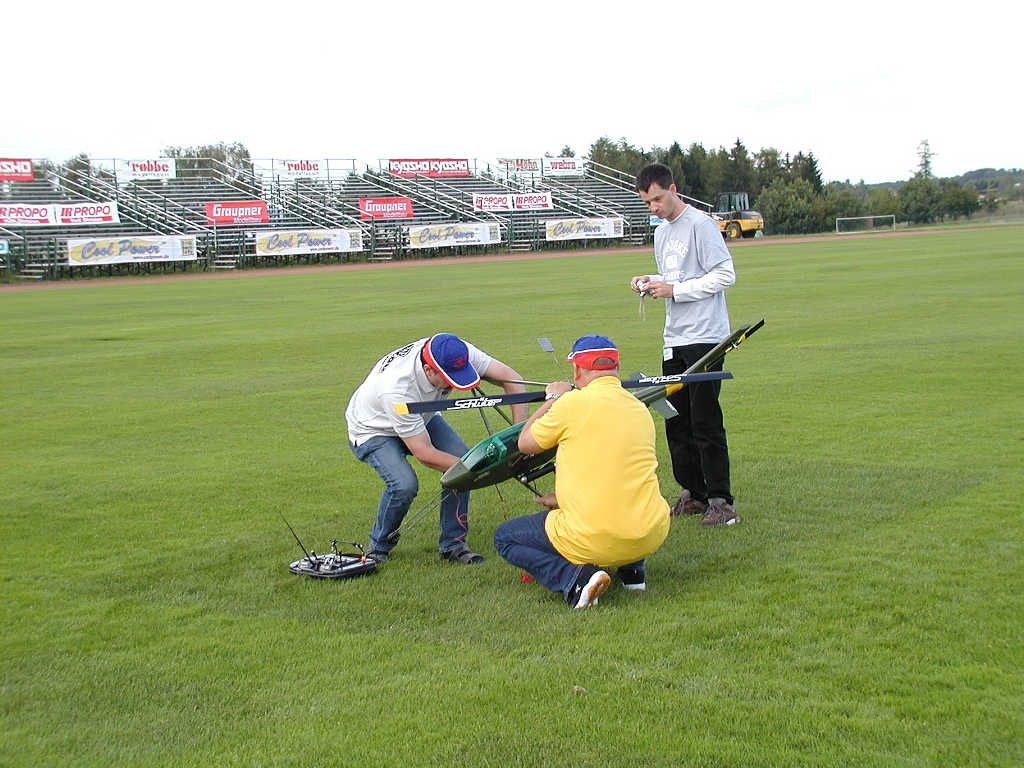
point(607, 509)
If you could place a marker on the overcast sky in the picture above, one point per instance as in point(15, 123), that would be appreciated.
point(858, 84)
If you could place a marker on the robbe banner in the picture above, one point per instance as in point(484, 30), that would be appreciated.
point(466, 233)
point(64, 214)
point(15, 169)
point(582, 229)
point(137, 170)
point(134, 248)
point(433, 167)
point(308, 241)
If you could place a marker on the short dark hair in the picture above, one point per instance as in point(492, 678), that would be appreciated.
point(655, 173)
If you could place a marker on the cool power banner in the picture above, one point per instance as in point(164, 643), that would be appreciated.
point(120, 250)
point(308, 241)
point(468, 233)
point(582, 229)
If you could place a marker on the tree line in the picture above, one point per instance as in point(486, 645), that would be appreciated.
point(788, 189)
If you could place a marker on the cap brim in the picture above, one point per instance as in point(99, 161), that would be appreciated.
point(466, 378)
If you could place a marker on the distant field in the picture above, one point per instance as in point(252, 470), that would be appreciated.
point(866, 612)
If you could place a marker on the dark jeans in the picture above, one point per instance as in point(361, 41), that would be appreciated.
point(388, 457)
point(523, 542)
point(696, 437)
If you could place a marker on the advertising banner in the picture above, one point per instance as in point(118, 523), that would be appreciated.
point(562, 166)
point(582, 229)
point(436, 168)
point(385, 208)
point(466, 233)
point(520, 165)
point(15, 169)
point(50, 214)
point(26, 214)
point(5, 248)
point(83, 212)
point(134, 170)
point(237, 212)
point(133, 248)
point(300, 169)
point(308, 241)
point(532, 201)
point(491, 202)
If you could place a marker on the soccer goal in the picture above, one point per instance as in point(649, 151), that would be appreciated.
point(846, 225)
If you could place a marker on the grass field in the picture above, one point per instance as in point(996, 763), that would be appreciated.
point(866, 612)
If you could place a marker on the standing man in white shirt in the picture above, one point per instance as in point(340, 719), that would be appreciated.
point(694, 269)
point(427, 369)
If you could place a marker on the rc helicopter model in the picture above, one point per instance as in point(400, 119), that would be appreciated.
point(497, 457)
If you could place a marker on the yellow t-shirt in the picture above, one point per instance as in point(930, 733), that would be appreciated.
point(611, 511)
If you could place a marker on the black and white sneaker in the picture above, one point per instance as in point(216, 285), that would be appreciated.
point(632, 579)
point(591, 584)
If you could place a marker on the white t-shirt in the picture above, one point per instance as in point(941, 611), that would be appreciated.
point(691, 255)
point(397, 378)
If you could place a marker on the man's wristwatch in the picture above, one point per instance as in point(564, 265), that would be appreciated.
point(551, 396)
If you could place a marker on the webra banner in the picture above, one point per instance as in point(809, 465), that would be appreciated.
point(237, 212)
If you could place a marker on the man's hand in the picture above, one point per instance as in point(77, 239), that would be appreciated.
point(547, 500)
point(659, 290)
point(639, 283)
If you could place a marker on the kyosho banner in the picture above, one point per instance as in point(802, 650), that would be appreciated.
point(132, 170)
point(134, 248)
point(491, 202)
point(237, 212)
point(15, 168)
point(532, 201)
point(385, 208)
point(50, 214)
point(466, 233)
point(308, 241)
point(562, 166)
point(432, 167)
point(582, 229)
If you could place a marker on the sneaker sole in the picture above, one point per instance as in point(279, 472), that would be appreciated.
point(636, 587)
point(594, 588)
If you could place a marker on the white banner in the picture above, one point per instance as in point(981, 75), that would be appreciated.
point(301, 169)
point(582, 229)
point(466, 233)
point(491, 202)
point(563, 166)
point(133, 248)
point(50, 214)
point(532, 201)
point(132, 170)
point(520, 165)
point(308, 241)
point(5, 248)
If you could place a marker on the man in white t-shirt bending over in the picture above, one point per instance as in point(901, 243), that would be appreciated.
point(427, 369)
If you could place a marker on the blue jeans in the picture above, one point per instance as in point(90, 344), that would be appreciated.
point(523, 542)
point(388, 457)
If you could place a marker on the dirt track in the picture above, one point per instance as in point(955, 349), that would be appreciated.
point(759, 242)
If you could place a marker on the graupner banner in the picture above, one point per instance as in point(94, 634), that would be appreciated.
point(134, 248)
point(433, 167)
point(63, 214)
point(385, 208)
point(237, 212)
point(466, 233)
point(299, 241)
point(526, 201)
point(134, 170)
point(15, 169)
point(582, 229)
point(562, 166)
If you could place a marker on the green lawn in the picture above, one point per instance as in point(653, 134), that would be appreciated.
point(866, 612)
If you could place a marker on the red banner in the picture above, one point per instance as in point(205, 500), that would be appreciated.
point(432, 167)
point(385, 208)
point(15, 169)
point(237, 212)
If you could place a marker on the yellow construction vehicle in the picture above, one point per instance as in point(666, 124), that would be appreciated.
point(734, 217)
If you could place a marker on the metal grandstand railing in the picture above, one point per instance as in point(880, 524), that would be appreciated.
point(628, 181)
